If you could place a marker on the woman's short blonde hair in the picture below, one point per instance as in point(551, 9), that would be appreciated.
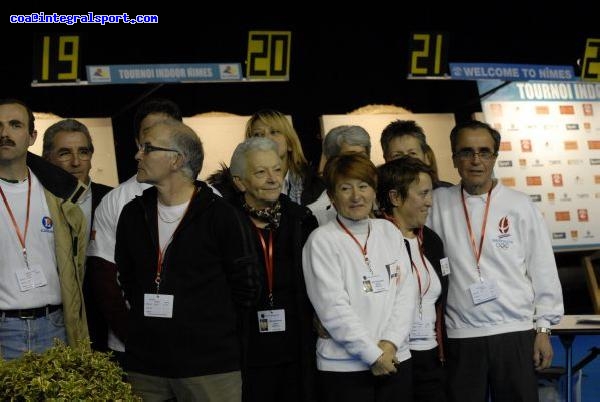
point(297, 163)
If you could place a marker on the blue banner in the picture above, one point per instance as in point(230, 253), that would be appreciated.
point(541, 91)
point(149, 73)
point(511, 72)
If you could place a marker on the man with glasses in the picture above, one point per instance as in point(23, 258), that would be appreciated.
point(68, 144)
point(101, 268)
point(184, 266)
point(504, 292)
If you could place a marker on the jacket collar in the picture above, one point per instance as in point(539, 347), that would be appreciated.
point(201, 202)
point(54, 179)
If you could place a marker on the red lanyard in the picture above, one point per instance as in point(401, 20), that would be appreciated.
point(476, 252)
point(268, 254)
point(22, 237)
point(159, 252)
point(363, 249)
point(414, 267)
point(416, 270)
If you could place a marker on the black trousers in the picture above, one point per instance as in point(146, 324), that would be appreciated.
point(272, 383)
point(500, 366)
point(363, 386)
point(429, 376)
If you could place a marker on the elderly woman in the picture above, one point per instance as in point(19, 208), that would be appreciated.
point(404, 197)
point(300, 183)
point(358, 279)
point(278, 336)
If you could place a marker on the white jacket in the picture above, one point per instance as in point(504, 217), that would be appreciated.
point(517, 254)
point(334, 271)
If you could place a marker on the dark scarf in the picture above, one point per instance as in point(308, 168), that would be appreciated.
point(271, 215)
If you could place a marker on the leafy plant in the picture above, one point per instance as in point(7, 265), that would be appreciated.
point(63, 373)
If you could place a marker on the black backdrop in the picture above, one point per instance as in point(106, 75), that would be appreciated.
point(337, 64)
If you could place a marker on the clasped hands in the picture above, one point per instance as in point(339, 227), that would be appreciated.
point(386, 363)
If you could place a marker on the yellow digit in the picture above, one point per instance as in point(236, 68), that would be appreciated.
point(258, 54)
point(414, 69)
point(72, 57)
point(280, 55)
point(438, 53)
point(46, 58)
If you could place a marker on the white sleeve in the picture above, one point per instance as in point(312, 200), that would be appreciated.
point(104, 231)
point(541, 267)
point(325, 288)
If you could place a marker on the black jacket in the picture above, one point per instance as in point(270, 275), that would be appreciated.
point(297, 222)
point(55, 179)
point(312, 188)
point(207, 267)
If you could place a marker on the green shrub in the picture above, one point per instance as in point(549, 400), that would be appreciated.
point(63, 373)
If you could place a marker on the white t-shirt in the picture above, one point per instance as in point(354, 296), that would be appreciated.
point(169, 217)
point(104, 231)
point(39, 244)
point(422, 334)
point(106, 218)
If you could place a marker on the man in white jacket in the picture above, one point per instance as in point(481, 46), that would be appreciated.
point(504, 291)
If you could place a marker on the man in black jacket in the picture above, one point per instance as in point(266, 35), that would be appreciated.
point(185, 264)
point(68, 144)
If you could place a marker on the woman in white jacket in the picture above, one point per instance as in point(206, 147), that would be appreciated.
point(358, 279)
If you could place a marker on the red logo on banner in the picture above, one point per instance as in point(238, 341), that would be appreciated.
point(508, 181)
point(526, 145)
point(594, 144)
point(571, 145)
point(566, 109)
point(503, 225)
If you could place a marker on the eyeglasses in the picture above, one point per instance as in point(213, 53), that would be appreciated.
point(146, 148)
point(84, 154)
point(469, 154)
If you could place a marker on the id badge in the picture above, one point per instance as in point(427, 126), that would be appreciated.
point(421, 329)
point(366, 285)
point(157, 305)
point(379, 283)
point(445, 265)
point(271, 320)
point(25, 279)
point(482, 292)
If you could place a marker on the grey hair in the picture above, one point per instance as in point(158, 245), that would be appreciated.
point(68, 125)
point(239, 159)
point(185, 140)
point(351, 135)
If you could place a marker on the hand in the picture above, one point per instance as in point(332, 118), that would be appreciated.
point(542, 351)
point(389, 349)
point(383, 366)
point(321, 331)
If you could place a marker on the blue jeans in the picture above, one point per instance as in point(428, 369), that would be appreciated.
point(18, 335)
